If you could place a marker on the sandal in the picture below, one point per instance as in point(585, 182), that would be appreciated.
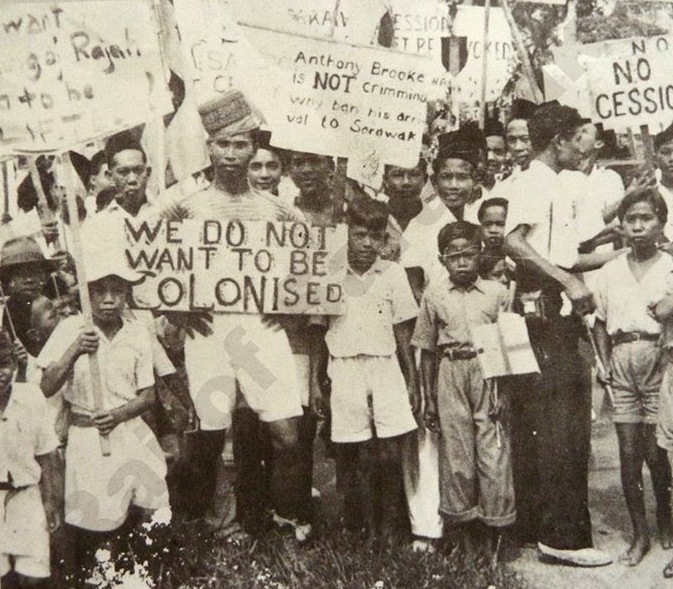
point(668, 570)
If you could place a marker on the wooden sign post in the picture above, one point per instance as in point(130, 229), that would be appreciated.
point(85, 300)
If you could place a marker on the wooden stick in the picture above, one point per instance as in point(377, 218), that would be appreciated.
point(21, 372)
point(44, 212)
point(484, 67)
point(85, 300)
point(599, 362)
point(522, 53)
point(647, 146)
point(6, 217)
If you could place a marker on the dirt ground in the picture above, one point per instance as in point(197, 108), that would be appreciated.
point(611, 528)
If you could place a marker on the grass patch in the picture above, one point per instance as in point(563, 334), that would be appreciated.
point(335, 560)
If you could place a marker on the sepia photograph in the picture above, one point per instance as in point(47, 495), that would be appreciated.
point(336, 294)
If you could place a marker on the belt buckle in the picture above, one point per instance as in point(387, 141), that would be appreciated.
point(637, 336)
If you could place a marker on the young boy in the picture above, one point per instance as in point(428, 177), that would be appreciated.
point(492, 215)
point(475, 451)
point(100, 490)
point(372, 407)
point(30, 486)
point(627, 335)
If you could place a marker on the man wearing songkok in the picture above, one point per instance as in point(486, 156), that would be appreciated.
point(455, 181)
point(242, 351)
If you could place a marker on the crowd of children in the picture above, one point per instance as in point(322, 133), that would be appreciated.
point(418, 434)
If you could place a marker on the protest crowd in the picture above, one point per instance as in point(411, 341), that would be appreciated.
point(436, 335)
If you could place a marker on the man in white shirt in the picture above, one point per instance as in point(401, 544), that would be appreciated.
point(551, 410)
point(454, 179)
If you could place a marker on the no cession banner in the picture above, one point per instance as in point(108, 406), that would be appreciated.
point(74, 71)
point(237, 266)
point(631, 84)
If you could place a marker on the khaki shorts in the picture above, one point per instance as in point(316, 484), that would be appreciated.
point(23, 533)
point(637, 372)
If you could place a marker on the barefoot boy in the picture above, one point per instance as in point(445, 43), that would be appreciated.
point(370, 402)
point(30, 485)
point(475, 450)
point(627, 335)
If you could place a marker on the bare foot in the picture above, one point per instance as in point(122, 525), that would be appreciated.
point(665, 526)
point(636, 552)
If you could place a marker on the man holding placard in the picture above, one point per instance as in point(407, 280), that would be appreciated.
point(242, 351)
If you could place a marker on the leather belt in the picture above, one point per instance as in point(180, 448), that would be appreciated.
point(454, 353)
point(634, 336)
point(81, 420)
point(5, 486)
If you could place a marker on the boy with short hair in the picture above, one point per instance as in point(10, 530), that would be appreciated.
point(372, 406)
point(627, 336)
point(30, 485)
point(492, 215)
point(475, 448)
point(100, 490)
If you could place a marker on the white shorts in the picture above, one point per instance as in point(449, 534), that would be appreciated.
point(245, 351)
point(357, 379)
point(23, 533)
point(99, 489)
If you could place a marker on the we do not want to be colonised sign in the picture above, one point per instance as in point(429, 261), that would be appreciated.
point(237, 266)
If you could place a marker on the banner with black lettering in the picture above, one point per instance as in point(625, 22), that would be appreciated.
point(74, 71)
point(237, 266)
point(631, 82)
point(338, 99)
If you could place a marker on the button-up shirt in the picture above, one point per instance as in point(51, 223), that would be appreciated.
point(25, 432)
point(623, 302)
point(448, 312)
point(540, 200)
point(374, 302)
point(125, 364)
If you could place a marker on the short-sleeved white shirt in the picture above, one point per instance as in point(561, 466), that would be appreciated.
point(539, 199)
point(125, 364)
point(25, 432)
point(623, 303)
point(597, 192)
point(375, 301)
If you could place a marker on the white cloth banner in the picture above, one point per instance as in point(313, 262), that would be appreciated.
point(74, 71)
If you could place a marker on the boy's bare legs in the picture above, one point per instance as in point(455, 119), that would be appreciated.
point(660, 471)
point(632, 457)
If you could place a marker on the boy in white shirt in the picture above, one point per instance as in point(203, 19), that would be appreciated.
point(627, 336)
point(30, 484)
point(372, 405)
point(100, 490)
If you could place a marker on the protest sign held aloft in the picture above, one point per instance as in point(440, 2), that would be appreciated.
point(631, 83)
point(237, 266)
point(73, 71)
point(338, 99)
point(419, 28)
